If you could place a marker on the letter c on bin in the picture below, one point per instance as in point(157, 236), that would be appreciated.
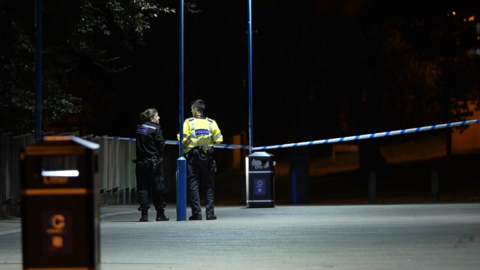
point(58, 222)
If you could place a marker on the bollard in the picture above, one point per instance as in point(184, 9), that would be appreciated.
point(294, 188)
point(435, 197)
point(181, 189)
point(372, 182)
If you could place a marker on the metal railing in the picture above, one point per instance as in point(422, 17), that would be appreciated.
point(116, 169)
point(10, 168)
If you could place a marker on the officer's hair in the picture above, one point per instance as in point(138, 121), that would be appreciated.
point(199, 105)
point(147, 115)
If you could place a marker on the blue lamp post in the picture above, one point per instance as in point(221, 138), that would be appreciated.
point(181, 161)
point(250, 77)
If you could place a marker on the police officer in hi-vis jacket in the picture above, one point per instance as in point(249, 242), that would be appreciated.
point(200, 134)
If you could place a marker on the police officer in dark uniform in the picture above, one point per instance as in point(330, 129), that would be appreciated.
point(149, 171)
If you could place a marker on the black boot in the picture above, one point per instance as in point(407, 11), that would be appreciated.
point(211, 217)
point(144, 216)
point(161, 216)
point(195, 217)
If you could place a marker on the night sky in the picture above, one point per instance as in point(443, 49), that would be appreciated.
point(314, 64)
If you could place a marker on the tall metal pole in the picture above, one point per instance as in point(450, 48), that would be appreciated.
point(181, 161)
point(181, 73)
point(250, 77)
point(38, 70)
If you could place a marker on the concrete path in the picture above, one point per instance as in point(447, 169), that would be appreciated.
point(412, 236)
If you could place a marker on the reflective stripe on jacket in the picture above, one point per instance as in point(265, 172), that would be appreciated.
point(149, 140)
point(200, 131)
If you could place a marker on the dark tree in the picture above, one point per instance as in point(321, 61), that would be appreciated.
point(75, 33)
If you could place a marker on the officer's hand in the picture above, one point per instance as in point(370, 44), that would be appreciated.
point(178, 137)
point(213, 166)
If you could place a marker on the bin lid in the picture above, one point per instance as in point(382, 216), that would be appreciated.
point(80, 141)
point(60, 145)
point(260, 154)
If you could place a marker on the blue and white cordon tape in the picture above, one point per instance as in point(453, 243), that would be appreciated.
point(370, 136)
point(171, 142)
point(327, 141)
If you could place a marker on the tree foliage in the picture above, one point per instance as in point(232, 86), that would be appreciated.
point(96, 31)
point(431, 60)
point(393, 65)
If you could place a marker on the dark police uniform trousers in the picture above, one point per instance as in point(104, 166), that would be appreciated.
point(150, 181)
point(149, 144)
point(199, 174)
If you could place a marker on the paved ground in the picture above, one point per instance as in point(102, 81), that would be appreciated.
point(409, 236)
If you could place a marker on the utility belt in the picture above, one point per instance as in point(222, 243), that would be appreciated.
point(154, 163)
point(199, 150)
point(204, 156)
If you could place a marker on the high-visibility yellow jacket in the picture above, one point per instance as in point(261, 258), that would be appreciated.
point(200, 131)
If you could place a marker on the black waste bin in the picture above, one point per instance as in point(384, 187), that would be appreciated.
point(60, 204)
point(260, 180)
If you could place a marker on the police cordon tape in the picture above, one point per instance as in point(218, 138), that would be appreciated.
point(327, 141)
point(171, 142)
point(370, 136)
